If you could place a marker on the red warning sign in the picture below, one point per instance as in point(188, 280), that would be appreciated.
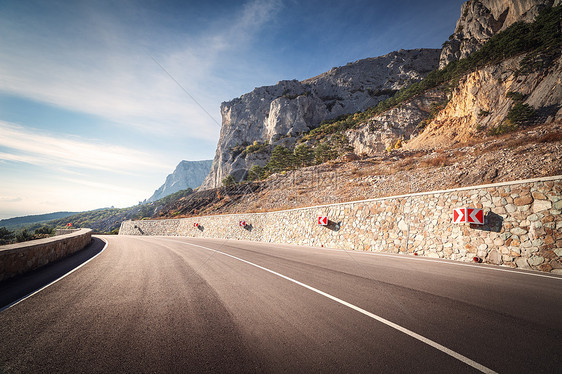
point(468, 215)
point(242, 223)
point(323, 221)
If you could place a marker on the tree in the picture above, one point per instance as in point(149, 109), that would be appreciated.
point(6, 236)
point(281, 159)
point(23, 236)
point(229, 181)
point(324, 152)
point(304, 155)
point(255, 173)
point(340, 143)
point(45, 230)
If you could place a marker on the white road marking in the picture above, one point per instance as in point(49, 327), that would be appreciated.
point(450, 262)
point(407, 257)
point(53, 282)
point(404, 330)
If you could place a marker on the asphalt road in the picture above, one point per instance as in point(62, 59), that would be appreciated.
point(155, 304)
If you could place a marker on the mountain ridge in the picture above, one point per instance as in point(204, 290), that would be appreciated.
point(187, 174)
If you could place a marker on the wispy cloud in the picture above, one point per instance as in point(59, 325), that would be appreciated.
point(33, 147)
point(10, 199)
point(107, 69)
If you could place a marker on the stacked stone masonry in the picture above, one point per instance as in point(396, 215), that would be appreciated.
point(523, 225)
point(19, 258)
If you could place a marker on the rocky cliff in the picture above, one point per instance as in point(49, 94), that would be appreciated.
point(481, 19)
point(484, 99)
point(188, 174)
point(278, 114)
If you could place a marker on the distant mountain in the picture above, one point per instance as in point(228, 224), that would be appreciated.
point(188, 174)
point(16, 222)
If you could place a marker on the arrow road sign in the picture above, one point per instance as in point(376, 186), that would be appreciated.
point(323, 221)
point(468, 215)
point(459, 215)
point(242, 223)
point(475, 215)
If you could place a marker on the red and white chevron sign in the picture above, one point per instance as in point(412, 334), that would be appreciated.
point(195, 224)
point(242, 223)
point(323, 221)
point(468, 215)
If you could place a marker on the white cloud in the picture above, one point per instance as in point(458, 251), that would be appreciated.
point(37, 148)
point(10, 199)
point(105, 70)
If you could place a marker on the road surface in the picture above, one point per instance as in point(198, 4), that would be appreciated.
point(170, 304)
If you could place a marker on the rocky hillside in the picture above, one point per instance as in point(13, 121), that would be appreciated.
point(494, 115)
point(279, 114)
point(527, 153)
point(485, 103)
point(482, 19)
point(188, 174)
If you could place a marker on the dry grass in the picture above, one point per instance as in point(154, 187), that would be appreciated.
point(552, 137)
point(438, 161)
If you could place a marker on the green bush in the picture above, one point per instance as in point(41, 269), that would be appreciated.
point(503, 128)
point(324, 152)
point(515, 96)
point(23, 236)
point(6, 236)
point(255, 148)
point(229, 181)
point(520, 113)
point(45, 230)
point(281, 160)
point(256, 173)
point(304, 155)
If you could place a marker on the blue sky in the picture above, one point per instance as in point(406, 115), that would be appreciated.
point(89, 118)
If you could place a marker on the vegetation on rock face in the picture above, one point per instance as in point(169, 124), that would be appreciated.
point(540, 39)
point(520, 113)
point(256, 173)
point(228, 180)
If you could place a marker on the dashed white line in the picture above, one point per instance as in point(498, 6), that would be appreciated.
point(404, 330)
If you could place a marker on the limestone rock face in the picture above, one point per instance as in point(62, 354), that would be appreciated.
point(481, 102)
point(482, 19)
point(188, 174)
point(402, 122)
point(278, 114)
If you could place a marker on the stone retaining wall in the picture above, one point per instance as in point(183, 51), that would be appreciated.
point(523, 225)
point(19, 258)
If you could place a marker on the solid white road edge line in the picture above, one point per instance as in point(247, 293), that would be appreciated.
point(53, 282)
point(404, 330)
point(416, 258)
point(449, 262)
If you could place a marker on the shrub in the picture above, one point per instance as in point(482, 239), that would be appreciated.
point(324, 152)
point(228, 181)
point(281, 159)
point(255, 148)
point(520, 113)
point(45, 230)
point(255, 173)
point(6, 236)
point(23, 236)
point(304, 155)
point(515, 96)
point(551, 137)
point(503, 128)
